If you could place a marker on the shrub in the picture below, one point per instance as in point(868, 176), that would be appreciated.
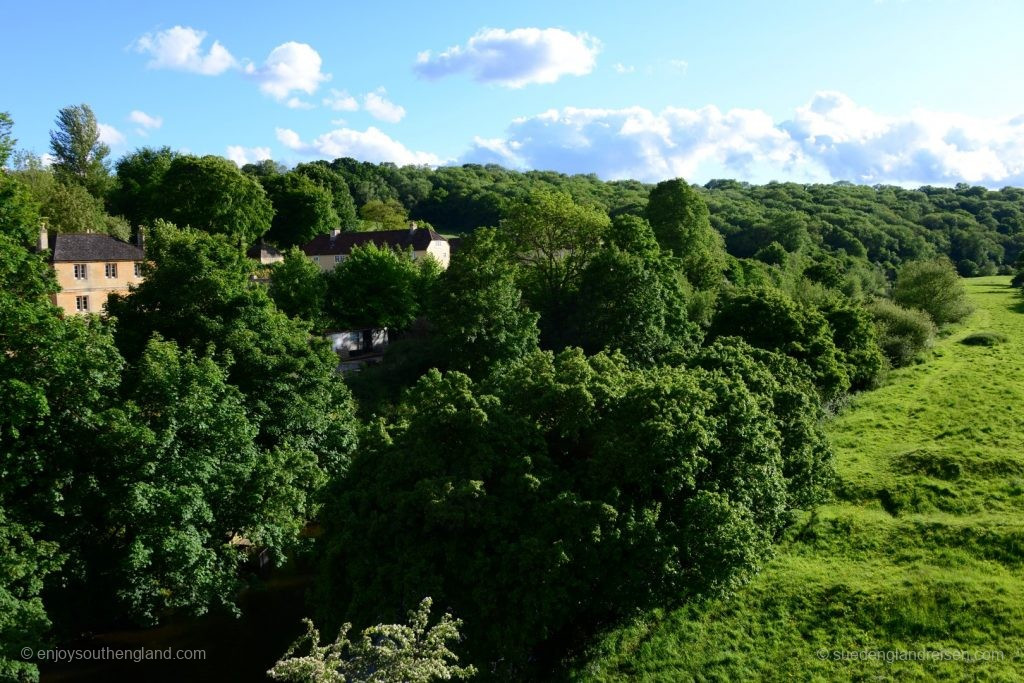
point(933, 287)
point(983, 339)
point(902, 332)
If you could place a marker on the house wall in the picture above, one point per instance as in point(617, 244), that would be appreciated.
point(97, 286)
point(439, 249)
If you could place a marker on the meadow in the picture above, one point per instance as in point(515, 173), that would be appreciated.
point(913, 571)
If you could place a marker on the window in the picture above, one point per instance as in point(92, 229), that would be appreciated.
point(337, 258)
point(80, 271)
point(138, 270)
point(82, 303)
point(111, 270)
point(317, 259)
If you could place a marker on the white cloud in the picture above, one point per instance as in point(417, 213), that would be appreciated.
point(247, 155)
point(298, 103)
point(379, 107)
point(514, 58)
point(340, 100)
point(145, 122)
point(181, 48)
point(370, 145)
point(830, 138)
point(111, 136)
point(680, 65)
point(621, 68)
point(289, 67)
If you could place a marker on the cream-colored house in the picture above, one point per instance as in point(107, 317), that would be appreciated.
point(90, 267)
point(327, 251)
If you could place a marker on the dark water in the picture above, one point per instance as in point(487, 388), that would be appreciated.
point(239, 649)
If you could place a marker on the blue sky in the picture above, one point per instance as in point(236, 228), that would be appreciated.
point(901, 91)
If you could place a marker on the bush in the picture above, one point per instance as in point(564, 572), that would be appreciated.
point(902, 332)
point(933, 287)
point(983, 339)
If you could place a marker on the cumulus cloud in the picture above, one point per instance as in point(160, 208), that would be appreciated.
point(181, 48)
point(830, 138)
point(247, 155)
point(514, 58)
point(369, 145)
point(379, 107)
point(621, 68)
point(290, 67)
point(145, 122)
point(298, 103)
point(111, 136)
point(340, 100)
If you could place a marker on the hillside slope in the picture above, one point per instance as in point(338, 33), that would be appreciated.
point(922, 550)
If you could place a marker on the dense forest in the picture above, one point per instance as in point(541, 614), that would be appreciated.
point(611, 400)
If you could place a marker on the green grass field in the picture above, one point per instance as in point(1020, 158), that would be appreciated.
point(922, 549)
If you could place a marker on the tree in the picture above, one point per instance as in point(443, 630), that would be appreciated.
point(299, 288)
point(388, 214)
point(138, 191)
point(209, 193)
point(373, 287)
point(933, 287)
point(554, 238)
point(7, 141)
point(386, 653)
point(79, 155)
point(321, 173)
point(479, 317)
point(902, 332)
point(680, 219)
point(302, 209)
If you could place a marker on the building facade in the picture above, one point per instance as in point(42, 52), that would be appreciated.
point(90, 267)
point(327, 251)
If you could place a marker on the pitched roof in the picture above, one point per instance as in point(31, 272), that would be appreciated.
point(342, 243)
point(261, 249)
point(93, 247)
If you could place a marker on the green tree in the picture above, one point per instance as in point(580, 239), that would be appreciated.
point(137, 193)
point(388, 214)
point(70, 208)
point(299, 288)
point(7, 141)
point(680, 219)
point(386, 653)
point(933, 287)
point(479, 317)
point(79, 155)
point(321, 173)
point(373, 287)
point(302, 209)
point(209, 193)
point(902, 332)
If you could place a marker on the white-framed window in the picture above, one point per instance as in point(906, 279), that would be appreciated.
point(317, 259)
point(82, 303)
point(337, 258)
point(111, 270)
point(81, 271)
point(138, 269)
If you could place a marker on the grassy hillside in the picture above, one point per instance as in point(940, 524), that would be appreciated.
point(923, 548)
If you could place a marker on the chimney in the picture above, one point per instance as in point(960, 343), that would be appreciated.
point(335, 232)
point(140, 239)
point(44, 237)
point(412, 227)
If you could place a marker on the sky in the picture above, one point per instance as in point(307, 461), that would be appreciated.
point(907, 92)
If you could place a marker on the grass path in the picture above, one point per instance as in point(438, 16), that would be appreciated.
point(922, 551)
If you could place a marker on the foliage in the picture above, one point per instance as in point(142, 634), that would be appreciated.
point(138, 191)
point(768, 319)
point(386, 653)
point(321, 173)
point(926, 457)
point(478, 314)
point(7, 141)
point(299, 288)
point(302, 209)
point(680, 219)
point(384, 215)
point(373, 287)
point(19, 211)
point(210, 193)
point(563, 476)
point(985, 338)
point(933, 287)
point(902, 332)
point(79, 155)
